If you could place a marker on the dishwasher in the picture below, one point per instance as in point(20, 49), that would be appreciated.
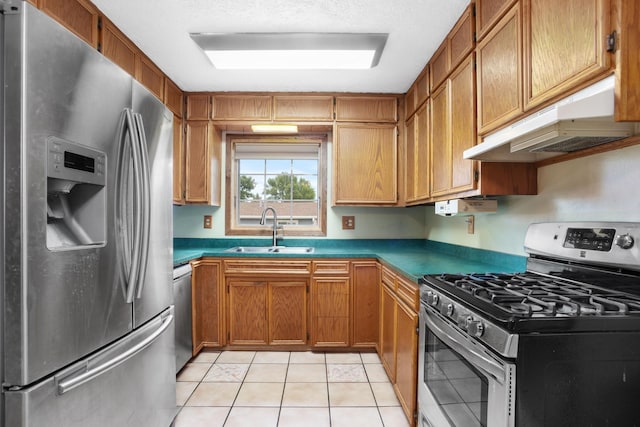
point(182, 300)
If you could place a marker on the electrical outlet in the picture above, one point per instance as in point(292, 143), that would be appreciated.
point(208, 221)
point(348, 222)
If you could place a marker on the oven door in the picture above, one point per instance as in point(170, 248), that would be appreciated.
point(460, 382)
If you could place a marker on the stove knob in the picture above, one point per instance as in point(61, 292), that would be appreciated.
point(433, 299)
point(475, 328)
point(625, 241)
point(450, 309)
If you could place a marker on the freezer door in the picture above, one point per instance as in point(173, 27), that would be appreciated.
point(155, 291)
point(99, 390)
point(63, 299)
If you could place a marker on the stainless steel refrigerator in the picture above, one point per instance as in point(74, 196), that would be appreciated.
point(87, 314)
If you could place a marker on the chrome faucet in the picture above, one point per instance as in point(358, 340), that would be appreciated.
point(275, 223)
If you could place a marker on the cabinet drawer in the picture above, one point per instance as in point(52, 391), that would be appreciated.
point(409, 292)
point(273, 266)
point(330, 267)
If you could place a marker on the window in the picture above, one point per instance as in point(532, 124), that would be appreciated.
point(286, 174)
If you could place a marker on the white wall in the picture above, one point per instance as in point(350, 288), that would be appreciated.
point(371, 223)
point(603, 187)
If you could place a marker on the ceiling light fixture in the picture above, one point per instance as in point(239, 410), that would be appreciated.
point(298, 51)
point(274, 128)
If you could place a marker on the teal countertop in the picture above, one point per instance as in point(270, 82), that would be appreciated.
point(410, 257)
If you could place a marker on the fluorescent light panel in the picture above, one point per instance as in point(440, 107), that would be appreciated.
point(292, 50)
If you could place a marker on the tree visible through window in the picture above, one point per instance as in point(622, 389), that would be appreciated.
point(284, 176)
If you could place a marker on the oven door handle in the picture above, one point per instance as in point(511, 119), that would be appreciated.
point(472, 352)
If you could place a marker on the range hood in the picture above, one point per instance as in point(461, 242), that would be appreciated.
point(582, 120)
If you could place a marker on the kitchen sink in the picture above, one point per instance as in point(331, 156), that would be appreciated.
point(272, 249)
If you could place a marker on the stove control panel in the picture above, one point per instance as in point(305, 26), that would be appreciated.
point(610, 244)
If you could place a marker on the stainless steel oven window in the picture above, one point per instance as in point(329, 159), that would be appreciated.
point(458, 387)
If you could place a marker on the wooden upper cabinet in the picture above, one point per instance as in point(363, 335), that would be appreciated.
point(410, 162)
point(559, 56)
point(410, 101)
point(440, 141)
point(488, 12)
point(499, 73)
point(417, 94)
point(627, 70)
point(367, 109)
point(197, 154)
point(463, 124)
point(117, 47)
point(422, 152)
point(303, 108)
point(178, 161)
point(455, 47)
point(365, 164)
point(150, 75)
point(173, 97)
point(241, 107)
point(198, 107)
point(79, 16)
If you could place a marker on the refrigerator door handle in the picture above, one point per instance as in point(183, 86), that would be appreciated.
point(146, 203)
point(89, 374)
point(128, 153)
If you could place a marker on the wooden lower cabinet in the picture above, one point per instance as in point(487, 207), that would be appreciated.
point(365, 303)
point(330, 312)
point(399, 338)
point(207, 304)
point(387, 353)
point(406, 354)
point(267, 312)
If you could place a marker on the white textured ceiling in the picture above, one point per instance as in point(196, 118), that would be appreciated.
point(161, 29)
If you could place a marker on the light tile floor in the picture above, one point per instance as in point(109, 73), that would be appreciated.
point(286, 389)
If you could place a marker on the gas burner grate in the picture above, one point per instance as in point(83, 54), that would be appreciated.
point(532, 295)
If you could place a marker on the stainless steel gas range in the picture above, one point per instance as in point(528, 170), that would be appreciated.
point(556, 345)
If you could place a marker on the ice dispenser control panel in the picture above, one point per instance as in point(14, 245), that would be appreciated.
point(75, 162)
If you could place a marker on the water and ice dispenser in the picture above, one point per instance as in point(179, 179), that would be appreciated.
point(76, 195)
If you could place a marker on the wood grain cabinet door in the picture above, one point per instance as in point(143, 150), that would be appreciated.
point(178, 161)
point(247, 307)
point(564, 45)
point(499, 73)
point(406, 358)
point(79, 16)
point(197, 155)
point(365, 164)
point(288, 312)
point(365, 285)
point(387, 352)
point(330, 312)
point(207, 304)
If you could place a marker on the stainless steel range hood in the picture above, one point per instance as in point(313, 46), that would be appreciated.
point(582, 120)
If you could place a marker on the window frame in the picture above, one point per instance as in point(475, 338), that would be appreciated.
point(232, 228)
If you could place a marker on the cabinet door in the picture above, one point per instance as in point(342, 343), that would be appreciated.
point(241, 107)
point(178, 162)
point(79, 16)
point(387, 349)
point(303, 108)
point(365, 164)
point(564, 45)
point(173, 97)
point(207, 319)
point(488, 12)
point(287, 312)
point(406, 358)
point(627, 107)
point(198, 107)
point(463, 124)
point(440, 143)
point(247, 309)
point(150, 76)
point(117, 47)
point(422, 152)
point(377, 109)
point(330, 312)
point(365, 284)
point(410, 164)
point(197, 154)
point(499, 73)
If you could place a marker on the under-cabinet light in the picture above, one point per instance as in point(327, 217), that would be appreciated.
point(292, 50)
point(274, 128)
